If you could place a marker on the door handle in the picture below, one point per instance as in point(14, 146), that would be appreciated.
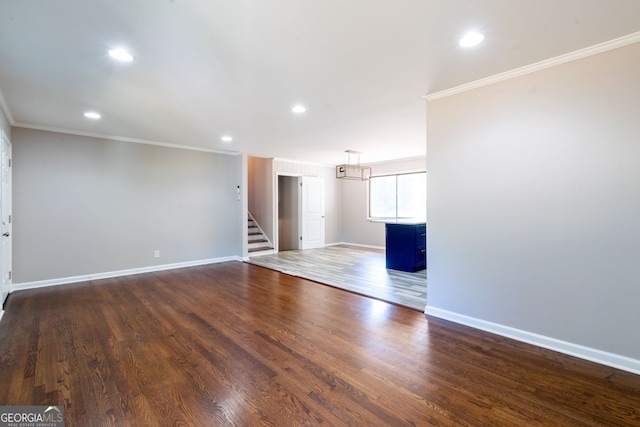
point(5, 235)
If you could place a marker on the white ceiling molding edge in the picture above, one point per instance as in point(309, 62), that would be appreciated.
point(324, 165)
point(405, 159)
point(125, 139)
point(301, 162)
point(5, 109)
point(547, 63)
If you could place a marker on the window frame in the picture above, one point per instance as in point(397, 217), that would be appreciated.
point(396, 218)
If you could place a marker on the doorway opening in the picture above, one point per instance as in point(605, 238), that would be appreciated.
point(288, 216)
point(299, 218)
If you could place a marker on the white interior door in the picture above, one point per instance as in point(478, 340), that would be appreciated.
point(5, 218)
point(312, 212)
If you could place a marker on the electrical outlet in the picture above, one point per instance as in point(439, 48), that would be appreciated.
point(156, 254)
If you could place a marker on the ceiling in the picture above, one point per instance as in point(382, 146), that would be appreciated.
point(206, 68)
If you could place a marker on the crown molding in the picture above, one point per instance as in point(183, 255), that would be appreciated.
point(548, 63)
point(404, 159)
point(301, 162)
point(5, 109)
point(124, 139)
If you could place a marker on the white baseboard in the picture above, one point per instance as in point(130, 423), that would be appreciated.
point(109, 274)
point(354, 244)
point(594, 355)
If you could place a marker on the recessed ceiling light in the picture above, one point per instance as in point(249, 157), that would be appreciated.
point(471, 39)
point(92, 115)
point(227, 138)
point(299, 109)
point(121, 55)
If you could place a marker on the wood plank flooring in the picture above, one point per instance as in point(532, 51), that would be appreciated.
point(234, 344)
point(357, 269)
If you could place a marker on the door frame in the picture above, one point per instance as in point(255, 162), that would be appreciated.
point(276, 227)
point(6, 267)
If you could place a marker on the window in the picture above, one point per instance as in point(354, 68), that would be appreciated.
point(398, 197)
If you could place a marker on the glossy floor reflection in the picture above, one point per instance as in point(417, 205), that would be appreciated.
point(360, 270)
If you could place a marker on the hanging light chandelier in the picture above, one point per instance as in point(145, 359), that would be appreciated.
point(353, 170)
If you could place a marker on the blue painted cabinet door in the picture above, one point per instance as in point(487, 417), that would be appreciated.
point(406, 246)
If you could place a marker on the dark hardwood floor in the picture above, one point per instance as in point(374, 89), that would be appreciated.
point(236, 344)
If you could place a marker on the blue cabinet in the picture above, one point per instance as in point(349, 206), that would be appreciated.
point(406, 246)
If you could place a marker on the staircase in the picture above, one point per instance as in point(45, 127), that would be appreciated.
point(258, 243)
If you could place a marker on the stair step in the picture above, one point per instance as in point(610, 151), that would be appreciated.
point(263, 248)
point(258, 243)
point(263, 244)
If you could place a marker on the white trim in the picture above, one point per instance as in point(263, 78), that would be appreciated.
point(594, 355)
point(244, 204)
point(109, 274)
point(408, 172)
point(381, 162)
point(124, 139)
point(354, 244)
point(5, 109)
point(300, 162)
point(8, 257)
point(548, 63)
point(404, 159)
point(1, 314)
point(275, 211)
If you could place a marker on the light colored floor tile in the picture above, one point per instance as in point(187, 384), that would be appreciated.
point(356, 269)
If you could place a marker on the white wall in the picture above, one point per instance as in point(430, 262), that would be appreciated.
point(534, 203)
point(85, 206)
point(356, 228)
